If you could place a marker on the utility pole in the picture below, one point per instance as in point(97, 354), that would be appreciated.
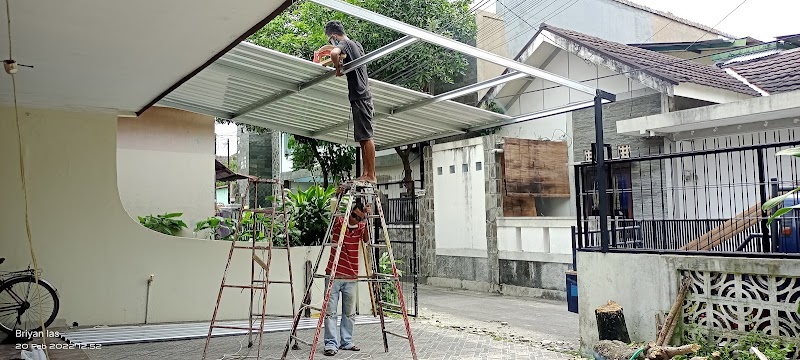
point(229, 164)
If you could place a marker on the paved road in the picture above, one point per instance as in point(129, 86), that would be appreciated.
point(547, 320)
point(452, 325)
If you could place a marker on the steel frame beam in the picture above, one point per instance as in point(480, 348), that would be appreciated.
point(451, 44)
point(517, 119)
point(293, 89)
point(438, 98)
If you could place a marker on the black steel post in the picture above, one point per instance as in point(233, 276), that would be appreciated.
point(574, 250)
point(578, 210)
point(414, 263)
point(762, 190)
point(358, 163)
point(421, 147)
point(773, 229)
point(600, 172)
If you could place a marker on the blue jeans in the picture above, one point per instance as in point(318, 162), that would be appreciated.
point(348, 291)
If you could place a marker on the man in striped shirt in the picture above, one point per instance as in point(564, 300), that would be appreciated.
point(344, 282)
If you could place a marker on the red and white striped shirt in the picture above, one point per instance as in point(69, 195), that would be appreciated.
point(348, 259)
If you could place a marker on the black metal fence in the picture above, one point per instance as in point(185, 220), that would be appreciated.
point(401, 211)
point(698, 195)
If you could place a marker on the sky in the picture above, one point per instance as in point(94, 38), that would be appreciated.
point(760, 19)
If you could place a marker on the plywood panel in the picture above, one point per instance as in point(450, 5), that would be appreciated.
point(535, 168)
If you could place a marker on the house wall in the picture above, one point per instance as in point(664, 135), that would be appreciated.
point(607, 19)
point(612, 276)
point(165, 163)
point(542, 95)
point(491, 37)
point(87, 244)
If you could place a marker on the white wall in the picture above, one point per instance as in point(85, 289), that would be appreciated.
point(542, 95)
point(543, 239)
point(88, 246)
point(165, 164)
point(725, 184)
point(459, 198)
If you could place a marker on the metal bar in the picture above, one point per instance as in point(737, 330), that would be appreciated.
point(383, 51)
point(539, 114)
point(438, 98)
point(600, 172)
point(451, 44)
point(762, 192)
point(774, 226)
point(414, 259)
point(704, 152)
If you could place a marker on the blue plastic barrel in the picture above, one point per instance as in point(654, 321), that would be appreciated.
point(572, 291)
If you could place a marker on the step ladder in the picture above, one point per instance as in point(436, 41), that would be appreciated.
point(374, 278)
point(255, 233)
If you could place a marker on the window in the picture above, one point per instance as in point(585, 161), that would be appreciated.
point(439, 170)
point(478, 166)
point(452, 169)
point(464, 167)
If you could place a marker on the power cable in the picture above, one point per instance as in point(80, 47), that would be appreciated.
point(717, 24)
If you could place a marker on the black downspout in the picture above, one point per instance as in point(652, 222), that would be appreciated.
point(600, 171)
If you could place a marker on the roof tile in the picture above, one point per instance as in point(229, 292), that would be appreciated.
point(663, 66)
point(774, 74)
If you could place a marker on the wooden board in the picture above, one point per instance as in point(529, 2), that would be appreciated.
point(535, 168)
point(727, 230)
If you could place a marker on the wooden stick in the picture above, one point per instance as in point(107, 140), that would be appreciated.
point(758, 353)
point(727, 230)
point(671, 321)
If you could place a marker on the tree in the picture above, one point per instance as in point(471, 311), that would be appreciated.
point(299, 31)
point(404, 154)
point(331, 159)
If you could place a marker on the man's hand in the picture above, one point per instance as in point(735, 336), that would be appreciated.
point(368, 209)
point(339, 70)
point(341, 189)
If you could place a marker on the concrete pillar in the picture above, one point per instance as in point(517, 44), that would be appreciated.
point(494, 205)
point(426, 238)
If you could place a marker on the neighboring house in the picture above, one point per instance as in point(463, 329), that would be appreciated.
point(165, 164)
point(511, 247)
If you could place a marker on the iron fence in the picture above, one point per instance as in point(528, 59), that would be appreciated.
point(696, 196)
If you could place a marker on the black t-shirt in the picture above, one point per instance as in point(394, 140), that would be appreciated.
point(357, 80)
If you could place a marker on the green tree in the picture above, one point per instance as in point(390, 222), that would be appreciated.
point(333, 161)
point(299, 31)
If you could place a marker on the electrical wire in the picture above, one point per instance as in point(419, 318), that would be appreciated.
point(24, 183)
point(717, 24)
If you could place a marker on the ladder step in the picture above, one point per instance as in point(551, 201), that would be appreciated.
point(396, 334)
point(377, 246)
point(235, 327)
point(312, 307)
point(280, 282)
point(273, 315)
point(389, 304)
point(261, 211)
point(245, 287)
point(301, 340)
point(260, 247)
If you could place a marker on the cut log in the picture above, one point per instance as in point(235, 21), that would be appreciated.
point(615, 350)
point(727, 230)
point(655, 352)
point(611, 323)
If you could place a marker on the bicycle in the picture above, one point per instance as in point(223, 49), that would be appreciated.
point(23, 305)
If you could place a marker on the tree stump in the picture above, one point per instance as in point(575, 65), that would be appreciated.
point(611, 323)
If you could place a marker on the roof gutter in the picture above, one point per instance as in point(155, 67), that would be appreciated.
point(218, 55)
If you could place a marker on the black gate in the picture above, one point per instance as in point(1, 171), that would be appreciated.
point(402, 218)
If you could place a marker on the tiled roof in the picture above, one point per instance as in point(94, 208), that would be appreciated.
point(774, 74)
point(662, 66)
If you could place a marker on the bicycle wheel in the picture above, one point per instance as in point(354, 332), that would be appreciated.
point(23, 304)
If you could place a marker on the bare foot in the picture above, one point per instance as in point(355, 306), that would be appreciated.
point(365, 178)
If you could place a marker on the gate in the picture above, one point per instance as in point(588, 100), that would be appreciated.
point(402, 218)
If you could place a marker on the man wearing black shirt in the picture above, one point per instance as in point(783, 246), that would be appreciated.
point(359, 95)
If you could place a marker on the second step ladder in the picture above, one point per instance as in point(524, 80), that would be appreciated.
point(365, 193)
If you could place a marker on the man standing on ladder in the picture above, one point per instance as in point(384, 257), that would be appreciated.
point(358, 94)
point(346, 277)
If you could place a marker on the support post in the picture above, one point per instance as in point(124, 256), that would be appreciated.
point(762, 193)
point(358, 162)
point(600, 172)
point(774, 226)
